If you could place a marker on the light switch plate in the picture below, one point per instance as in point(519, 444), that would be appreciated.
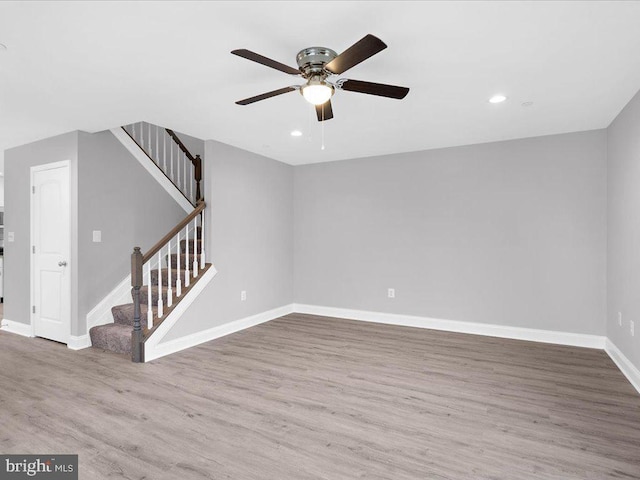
point(97, 236)
point(10, 236)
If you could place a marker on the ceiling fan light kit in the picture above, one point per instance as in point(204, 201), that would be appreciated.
point(316, 65)
point(317, 91)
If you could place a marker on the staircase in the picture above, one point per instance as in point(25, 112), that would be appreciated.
point(163, 276)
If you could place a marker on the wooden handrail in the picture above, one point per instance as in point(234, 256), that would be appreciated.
point(156, 248)
point(173, 135)
point(196, 161)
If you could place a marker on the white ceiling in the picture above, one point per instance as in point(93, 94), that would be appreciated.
point(95, 65)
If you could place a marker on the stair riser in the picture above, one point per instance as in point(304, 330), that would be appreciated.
point(111, 338)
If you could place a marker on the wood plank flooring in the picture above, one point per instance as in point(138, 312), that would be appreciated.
point(306, 397)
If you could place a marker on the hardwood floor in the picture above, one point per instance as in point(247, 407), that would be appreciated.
point(306, 397)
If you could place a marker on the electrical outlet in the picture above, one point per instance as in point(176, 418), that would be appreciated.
point(620, 319)
point(97, 236)
point(391, 293)
point(243, 295)
point(10, 236)
point(631, 326)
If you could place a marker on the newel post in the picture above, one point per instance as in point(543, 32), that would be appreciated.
point(137, 344)
point(198, 175)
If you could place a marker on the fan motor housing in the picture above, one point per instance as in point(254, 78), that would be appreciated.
point(313, 59)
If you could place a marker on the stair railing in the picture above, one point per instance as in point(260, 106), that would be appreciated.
point(167, 151)
point(184, 233)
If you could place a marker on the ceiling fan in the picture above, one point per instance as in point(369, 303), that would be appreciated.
point(316, 65)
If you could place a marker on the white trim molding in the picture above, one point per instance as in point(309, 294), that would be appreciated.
point(188, 341)
point(152, 168)
point(78, 343)
point(101, 313)
point(152, 350)
point(490, 330)
point(624, 364)
point(24, 329)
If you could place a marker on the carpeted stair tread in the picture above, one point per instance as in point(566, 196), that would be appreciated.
point(114, 337)
point(123, 314)
point(144, 295)
point(165, 276)
point(183, 257)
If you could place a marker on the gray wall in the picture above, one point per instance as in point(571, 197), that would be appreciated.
point(623, 246)
point(118, 197)
point(510, 233)
point(111, 192)
point(17, 257)
point(249, 227)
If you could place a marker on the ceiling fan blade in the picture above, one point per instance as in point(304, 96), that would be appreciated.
point(370, 88)
point(255, 57)
point(264, 96)
point(356, 53)
point(324, 111)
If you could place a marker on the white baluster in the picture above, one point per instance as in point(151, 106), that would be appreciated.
point(184, 179)
point(149, 140)
point(164, 150)
point(169, 290)
point(149, 301)
point(202, 259)
point(157, 157)
point(195, 247)
point(133, 129)
point(178, 279)
point(186, 257)
point(191, 175)
point(142, 135)
point(171, 145)
point(179, 168)
point(160, 303)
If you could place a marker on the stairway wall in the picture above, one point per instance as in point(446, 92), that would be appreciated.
point(110, 192)
point(118, 197)
point(249, 238)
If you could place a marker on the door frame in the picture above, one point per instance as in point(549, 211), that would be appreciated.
point(39, 168)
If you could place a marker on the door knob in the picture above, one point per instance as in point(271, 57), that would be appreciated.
point(62, 264)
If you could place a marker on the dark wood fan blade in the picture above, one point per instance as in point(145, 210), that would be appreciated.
point(324, 111)
point(356, 53)
point(264, 96)
point(379, 89)
point(255, 57)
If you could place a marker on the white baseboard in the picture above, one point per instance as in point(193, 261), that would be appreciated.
point(502, 331)
point(78, 343)
point(101, 313)
point(10, 326)
point(152, 168)
point(173, 346)
point(624, 364)
point(152, 349)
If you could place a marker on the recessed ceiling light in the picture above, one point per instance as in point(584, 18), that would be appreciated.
point(497, 99)
point(296, 133)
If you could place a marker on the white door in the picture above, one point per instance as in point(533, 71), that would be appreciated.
point(50, 248)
